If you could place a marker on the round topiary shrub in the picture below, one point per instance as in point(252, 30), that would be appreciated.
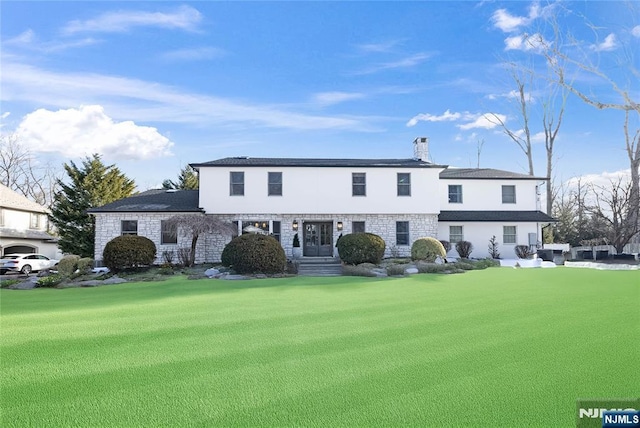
point(253, 253)
point(128, 251)
point(357, 248)
point(68, 265)
point(427, 249)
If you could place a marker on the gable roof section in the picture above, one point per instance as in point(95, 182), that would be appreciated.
point(512, 216)
point(14, 200)
point(310, 162)
point(157, 200)
point(484, 174)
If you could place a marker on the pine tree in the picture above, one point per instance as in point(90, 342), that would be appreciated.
point(92, 185)
point(187, 180)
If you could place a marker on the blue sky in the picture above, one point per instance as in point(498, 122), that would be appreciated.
point(153, 86)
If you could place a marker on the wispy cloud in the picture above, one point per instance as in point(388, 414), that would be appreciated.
point(381, 47)
point(609, 43)
point(28, 40)
point(525, 42)
point(78, 132)
point(184, 18)
point(331, 98)
point(193, 54)
point(426, 117)
point(635, 32)
point(407, 62)
point(143, 101)
point(483, 121)
point(512, 95)
point(509, 23)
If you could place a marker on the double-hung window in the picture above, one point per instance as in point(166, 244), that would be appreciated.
point(129, 227)
point(357, 227)
point(404, 184)
point(509, 194)
point(359, 184)
point(455, 234)
point(236, 183)
point(510, 234)
point(455, 194)
point(275, 184)
point(169, 232)
point(402, 233)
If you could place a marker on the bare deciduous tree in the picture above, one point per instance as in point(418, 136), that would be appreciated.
point(21, 172)
point(196, 225)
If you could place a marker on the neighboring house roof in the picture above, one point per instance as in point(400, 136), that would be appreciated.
point(514, 216)
point(14, 200)
point(304, 162)
point(26, 234)
point(484, 174)
point(157, 200)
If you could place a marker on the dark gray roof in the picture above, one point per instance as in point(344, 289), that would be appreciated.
point(515, 216)
point(306, 162)
point(484, 174)
point(27, 234)
point(158, 200)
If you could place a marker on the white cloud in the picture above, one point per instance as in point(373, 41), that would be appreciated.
point(610, 43)
point(79, 132)
point(184, 18)
point(378, 47)
point(193, 54)
point(144, 101)
point(483, 121)
point(525, 42)
point(507, 22)
point(426, 117)
point(23, 38)
point(635, 32)
point(512, 95)
point(29, 40)
point(331, 98)
point(5, 115)
point(408, 62)
point(603, 179)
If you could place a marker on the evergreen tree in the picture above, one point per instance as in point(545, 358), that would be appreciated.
point(91, 185)
point(187, 180)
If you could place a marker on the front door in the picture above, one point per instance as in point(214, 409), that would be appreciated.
point(318, 239)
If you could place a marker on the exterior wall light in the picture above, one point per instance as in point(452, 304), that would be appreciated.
point(339, 225)
point(295, 225)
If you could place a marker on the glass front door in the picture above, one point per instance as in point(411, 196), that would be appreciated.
point(318, 239)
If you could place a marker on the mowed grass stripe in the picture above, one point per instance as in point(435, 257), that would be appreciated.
point(339, 351)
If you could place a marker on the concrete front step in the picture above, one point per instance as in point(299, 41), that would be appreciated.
point(319, 266)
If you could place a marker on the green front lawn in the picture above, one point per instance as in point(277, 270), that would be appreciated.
point(500, 347)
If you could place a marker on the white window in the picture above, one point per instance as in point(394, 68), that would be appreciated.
point(359, 184)
point(510, 234)
point(129, 227)
point(508, 194)
point(35, 221)
point(236, 183)
point(169, 232)
point(455, 234)
point(455, 194)
point(404, 184)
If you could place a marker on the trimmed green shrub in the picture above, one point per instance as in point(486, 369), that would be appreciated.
point(464, 249)
point(463, 265)
point(253, 253)
point(6, 283)
point(128, 251)
point(396, 270)
point(486, 263)
point(427, 249)
point(357, 248)
point(85, 265)
point(432, 267)
point(68, 265)
point(353, 270)
point(50, 281)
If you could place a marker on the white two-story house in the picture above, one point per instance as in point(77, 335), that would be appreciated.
point(23, 226)
point(320, 199)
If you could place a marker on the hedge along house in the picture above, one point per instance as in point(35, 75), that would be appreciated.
point(400, 200)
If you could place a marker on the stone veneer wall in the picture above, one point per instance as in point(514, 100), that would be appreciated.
point(210, 246)
point(108, 226)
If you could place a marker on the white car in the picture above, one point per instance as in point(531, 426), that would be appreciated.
point(25, 263)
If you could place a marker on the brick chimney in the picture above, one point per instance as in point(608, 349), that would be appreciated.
point(421, 149)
